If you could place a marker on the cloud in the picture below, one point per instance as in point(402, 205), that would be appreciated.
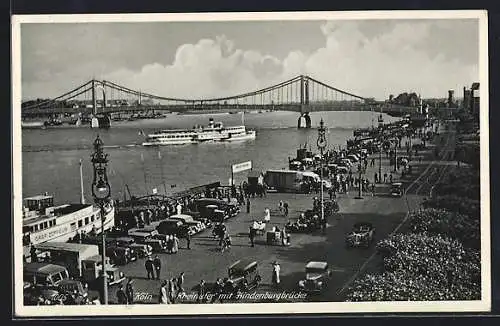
point(363, 57)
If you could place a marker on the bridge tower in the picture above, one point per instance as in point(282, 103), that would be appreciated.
point(304, 103)
point(102, 120)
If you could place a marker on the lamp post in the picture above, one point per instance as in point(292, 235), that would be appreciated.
point(380, 160)
point(396, 156)
point(321, 142)
point(101, 192)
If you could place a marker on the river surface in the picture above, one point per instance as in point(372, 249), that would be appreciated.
point(50, 157)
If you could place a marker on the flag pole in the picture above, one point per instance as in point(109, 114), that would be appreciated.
point(161, 171)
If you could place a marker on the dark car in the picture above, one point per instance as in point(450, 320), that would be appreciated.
point(173, 227)
point(231, 209)
point(316, 278)
point(397, 189)
point(361, 235)
point(119, 255)
point(243, 275)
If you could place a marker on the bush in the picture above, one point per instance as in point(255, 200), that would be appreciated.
point(461, 183)
point(455, 225)
point(421, 267)
point(455, 204)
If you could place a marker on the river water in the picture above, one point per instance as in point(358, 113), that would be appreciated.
point(50, 157)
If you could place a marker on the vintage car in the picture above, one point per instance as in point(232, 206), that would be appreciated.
point(73, 291)
point(120, 255)
point(197, 217)
point(361, 235)
point(317, 277)
point(243, 275)
point(171, 227)
point(92, 268)
point(231, 209)
point(147, 236)
point(140, 249)
point(44, 274)
point(188, 220)
point(397, 189)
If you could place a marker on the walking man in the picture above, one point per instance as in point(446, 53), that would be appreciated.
point(248, 205)
point(385, 177)
point(121, 296)
point(149, 268)
point(285, 209)
point(281, 207)
point(129, 292)
point(252, 236)
point(201, 292)
point(180, 283)
point(157, 266)
point(188, 241)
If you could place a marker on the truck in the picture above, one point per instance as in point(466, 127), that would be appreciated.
point(69, 255)
point(284, 180)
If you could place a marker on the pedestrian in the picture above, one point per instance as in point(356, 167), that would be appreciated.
point(276, 274)
point(251, 235)
point(188, 241)
point(121, 297)
point(180, 283)
point(157, 266)
point(385, 177)
point(129, 291)
point(281, 207)
point(372, 162)
point(179, 208)
point(285, 208)
point(267, 215)
point(175, 247)
point(164, 293)
point(217, 291)
point(248, 205)
point(390, 178)
point(170, 243)
point(201, 298)
point(375, 178)
point(149, 268)
point(172, 290)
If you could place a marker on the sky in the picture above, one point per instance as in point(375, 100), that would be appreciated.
point(370, 58)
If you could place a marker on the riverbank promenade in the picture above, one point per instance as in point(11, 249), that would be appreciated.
point(205, 261)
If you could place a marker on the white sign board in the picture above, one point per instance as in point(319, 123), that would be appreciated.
point(242, 166)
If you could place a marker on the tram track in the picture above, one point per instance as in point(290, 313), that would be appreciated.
point(443, 154)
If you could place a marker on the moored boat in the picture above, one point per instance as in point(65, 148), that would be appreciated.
point(43, 221)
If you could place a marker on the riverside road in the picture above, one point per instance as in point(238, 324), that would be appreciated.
point(205, 261)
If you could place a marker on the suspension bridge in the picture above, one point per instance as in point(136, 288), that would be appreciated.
point(302, 94)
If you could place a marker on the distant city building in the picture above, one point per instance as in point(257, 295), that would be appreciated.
point(471, 100)
point(451, 99)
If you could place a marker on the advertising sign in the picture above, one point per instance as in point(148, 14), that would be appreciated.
point(241, 166)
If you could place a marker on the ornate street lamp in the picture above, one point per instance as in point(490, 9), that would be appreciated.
point(322, 142)
point(101, 192)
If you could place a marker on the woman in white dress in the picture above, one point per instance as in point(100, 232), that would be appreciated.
point(267, 216)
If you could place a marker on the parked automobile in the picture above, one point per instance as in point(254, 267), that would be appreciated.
point(44, 274)
point(147, 236)
point(120, 255)
point(243, 275)
point(140, 249)
point(170, 227)
point(397, 189)
point(190, 221)
point(75, 289)
point(361, 235)
point(316, 278)
point(92, 268)
point(353, 158)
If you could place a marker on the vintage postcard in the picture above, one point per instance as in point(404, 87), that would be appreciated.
point(308, 162)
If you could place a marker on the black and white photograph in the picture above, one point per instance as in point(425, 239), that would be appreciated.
point(251, 163)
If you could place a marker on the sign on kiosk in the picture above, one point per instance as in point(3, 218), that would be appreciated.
point(242, 166)
point(235, 168)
